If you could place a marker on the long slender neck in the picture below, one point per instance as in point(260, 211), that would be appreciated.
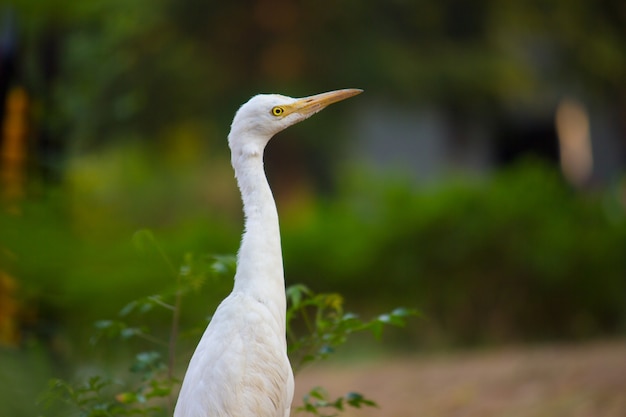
point(260, 264)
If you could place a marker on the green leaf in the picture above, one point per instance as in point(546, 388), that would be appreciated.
point(357, 400)
point(377, 329)
point(96, 383)
point(384, 318)
point(146, 361)
point(391, 319)
point(159, 389)
point(130, 332)
point(128, 308)
point(104, 324)
point(295, 293)
point(224, 264)
point(144, 240)
point(404, 312)
point(318, 392)
point(338, 404)
point(126, 397)
point(108, 329)
point(144, 305)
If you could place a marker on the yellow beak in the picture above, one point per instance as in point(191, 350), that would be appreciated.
point(310, 105)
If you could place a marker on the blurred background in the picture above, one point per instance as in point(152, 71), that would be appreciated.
point(479, 178)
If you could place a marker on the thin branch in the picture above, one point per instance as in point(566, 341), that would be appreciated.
point(158, 301)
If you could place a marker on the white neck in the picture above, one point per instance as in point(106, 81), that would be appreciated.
point(260, 265)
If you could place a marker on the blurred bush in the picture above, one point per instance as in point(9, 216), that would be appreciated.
point(520, 257)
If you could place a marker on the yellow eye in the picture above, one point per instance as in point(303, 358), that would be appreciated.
point(277, 111)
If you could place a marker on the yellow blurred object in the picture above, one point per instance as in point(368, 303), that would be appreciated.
point(13, 151)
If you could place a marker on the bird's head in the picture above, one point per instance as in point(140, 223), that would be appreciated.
point(265, 115)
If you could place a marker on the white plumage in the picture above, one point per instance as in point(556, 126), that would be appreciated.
point(240, 367)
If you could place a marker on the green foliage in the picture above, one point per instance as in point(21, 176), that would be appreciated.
point(325, 324)
point(316, 402)
point(99, 397)
point(517, 257)
point(150, 384)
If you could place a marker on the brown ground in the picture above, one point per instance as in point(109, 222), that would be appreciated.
point(558, 381)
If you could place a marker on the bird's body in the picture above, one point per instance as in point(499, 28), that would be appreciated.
point(240, 367)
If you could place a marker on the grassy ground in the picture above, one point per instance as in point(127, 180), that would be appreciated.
point(587, 380)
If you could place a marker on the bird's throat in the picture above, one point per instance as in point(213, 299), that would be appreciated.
point(260, 265)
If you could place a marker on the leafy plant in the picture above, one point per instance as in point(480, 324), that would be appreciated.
point(316, 326)
point(326, 325)
point(316, 401)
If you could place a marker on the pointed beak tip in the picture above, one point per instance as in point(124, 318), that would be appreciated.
point(337, 95)
point(353, 91)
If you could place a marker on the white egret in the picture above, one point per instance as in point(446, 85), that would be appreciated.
point(240, 367)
